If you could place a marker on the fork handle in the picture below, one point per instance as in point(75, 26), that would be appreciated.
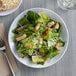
point(9, 64)
point(4, 67)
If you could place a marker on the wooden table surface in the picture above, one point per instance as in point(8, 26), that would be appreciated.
point(67, 65)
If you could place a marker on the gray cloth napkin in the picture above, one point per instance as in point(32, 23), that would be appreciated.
point(4, 67)
point(8, 51)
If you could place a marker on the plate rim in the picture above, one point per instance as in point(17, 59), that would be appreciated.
point(8, 12)
point(66, 43)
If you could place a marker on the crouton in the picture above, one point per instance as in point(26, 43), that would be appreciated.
point(21, 37)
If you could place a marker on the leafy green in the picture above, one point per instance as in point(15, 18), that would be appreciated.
point(30, 52)
point(43, 18)
point(23, 21)
point(52, 54)
point(40, 41)
point(32, 16)
point(42, 63)
point(61, 41)
point(60, 29)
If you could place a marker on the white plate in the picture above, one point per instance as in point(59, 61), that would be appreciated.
point(4, 13)
point(26, 60)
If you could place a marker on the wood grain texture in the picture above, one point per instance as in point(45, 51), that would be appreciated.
point(67, 65)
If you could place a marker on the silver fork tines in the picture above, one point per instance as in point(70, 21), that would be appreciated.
point(2, 48)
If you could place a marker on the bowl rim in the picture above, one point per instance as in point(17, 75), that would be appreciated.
point(66, 43)
point(4, 13)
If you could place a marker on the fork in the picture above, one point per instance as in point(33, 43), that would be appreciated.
point(3, 49)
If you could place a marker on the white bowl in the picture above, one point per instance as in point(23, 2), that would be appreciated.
point(4, 13)
point(26, 60)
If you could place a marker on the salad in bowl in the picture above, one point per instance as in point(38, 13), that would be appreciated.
point(37, 37)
